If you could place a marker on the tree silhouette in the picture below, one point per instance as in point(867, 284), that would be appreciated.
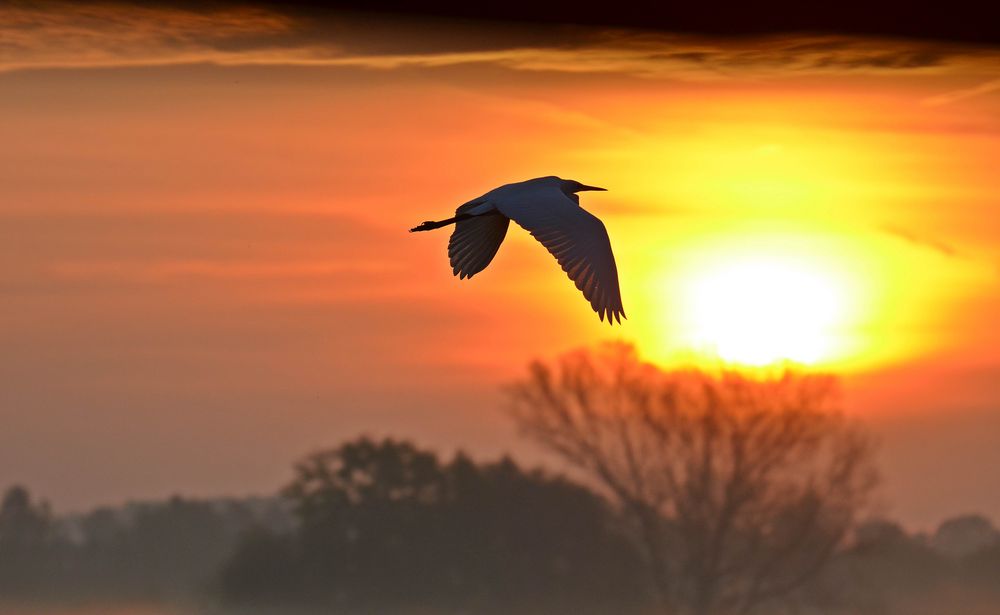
point(26, 542)
point(739, 490)
point(153, 550)
point(884, 567)
point(386, 526)
point(965, 535)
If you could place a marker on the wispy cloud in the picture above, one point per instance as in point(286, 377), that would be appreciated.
point(923, 241)
point(167, 270)
point(957, 95)
point(66, 35)
point(666, 57)
point(59, 34)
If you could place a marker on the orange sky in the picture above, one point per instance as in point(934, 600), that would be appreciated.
point(206, 274)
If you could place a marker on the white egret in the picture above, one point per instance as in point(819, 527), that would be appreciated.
point(549, 209)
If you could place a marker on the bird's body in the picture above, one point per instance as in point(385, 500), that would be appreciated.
point(549, 209)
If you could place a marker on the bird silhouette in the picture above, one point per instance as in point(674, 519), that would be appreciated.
point(549, 209)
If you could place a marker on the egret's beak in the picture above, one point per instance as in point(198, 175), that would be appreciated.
point(582, 188)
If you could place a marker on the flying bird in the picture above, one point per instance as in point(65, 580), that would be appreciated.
point(549, 209)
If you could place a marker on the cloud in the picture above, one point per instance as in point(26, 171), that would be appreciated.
point(666, 57)
point(66, 35)
point(922, 241)
point(98, 252)
point(166, 270)
point(957, 95)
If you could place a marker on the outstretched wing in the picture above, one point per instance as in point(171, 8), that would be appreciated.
point(577, 239)
point(475, 242)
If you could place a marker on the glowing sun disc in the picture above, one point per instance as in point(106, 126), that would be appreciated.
point(762, 311)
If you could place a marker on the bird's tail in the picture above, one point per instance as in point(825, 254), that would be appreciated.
point(430, 225)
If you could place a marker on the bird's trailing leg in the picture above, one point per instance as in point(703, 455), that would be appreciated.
point(430, 225)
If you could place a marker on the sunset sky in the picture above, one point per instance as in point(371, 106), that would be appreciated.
point(205, 270)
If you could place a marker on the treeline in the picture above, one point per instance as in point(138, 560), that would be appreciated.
point(383, 526)
point(160, 551)
point(887, 570)
point(368, 525)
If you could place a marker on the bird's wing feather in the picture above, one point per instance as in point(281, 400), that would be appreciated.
point(577, 239)
point(475, 242)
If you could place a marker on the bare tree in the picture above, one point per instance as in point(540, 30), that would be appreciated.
point(738, 489)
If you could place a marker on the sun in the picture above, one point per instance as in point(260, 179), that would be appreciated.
point(759, 311)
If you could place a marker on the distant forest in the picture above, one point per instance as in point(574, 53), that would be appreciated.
point(383, 526)
point(694, 494)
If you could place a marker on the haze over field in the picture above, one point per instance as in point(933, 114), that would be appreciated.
point(205, 269)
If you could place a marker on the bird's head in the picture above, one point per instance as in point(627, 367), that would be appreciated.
point(571, 186)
